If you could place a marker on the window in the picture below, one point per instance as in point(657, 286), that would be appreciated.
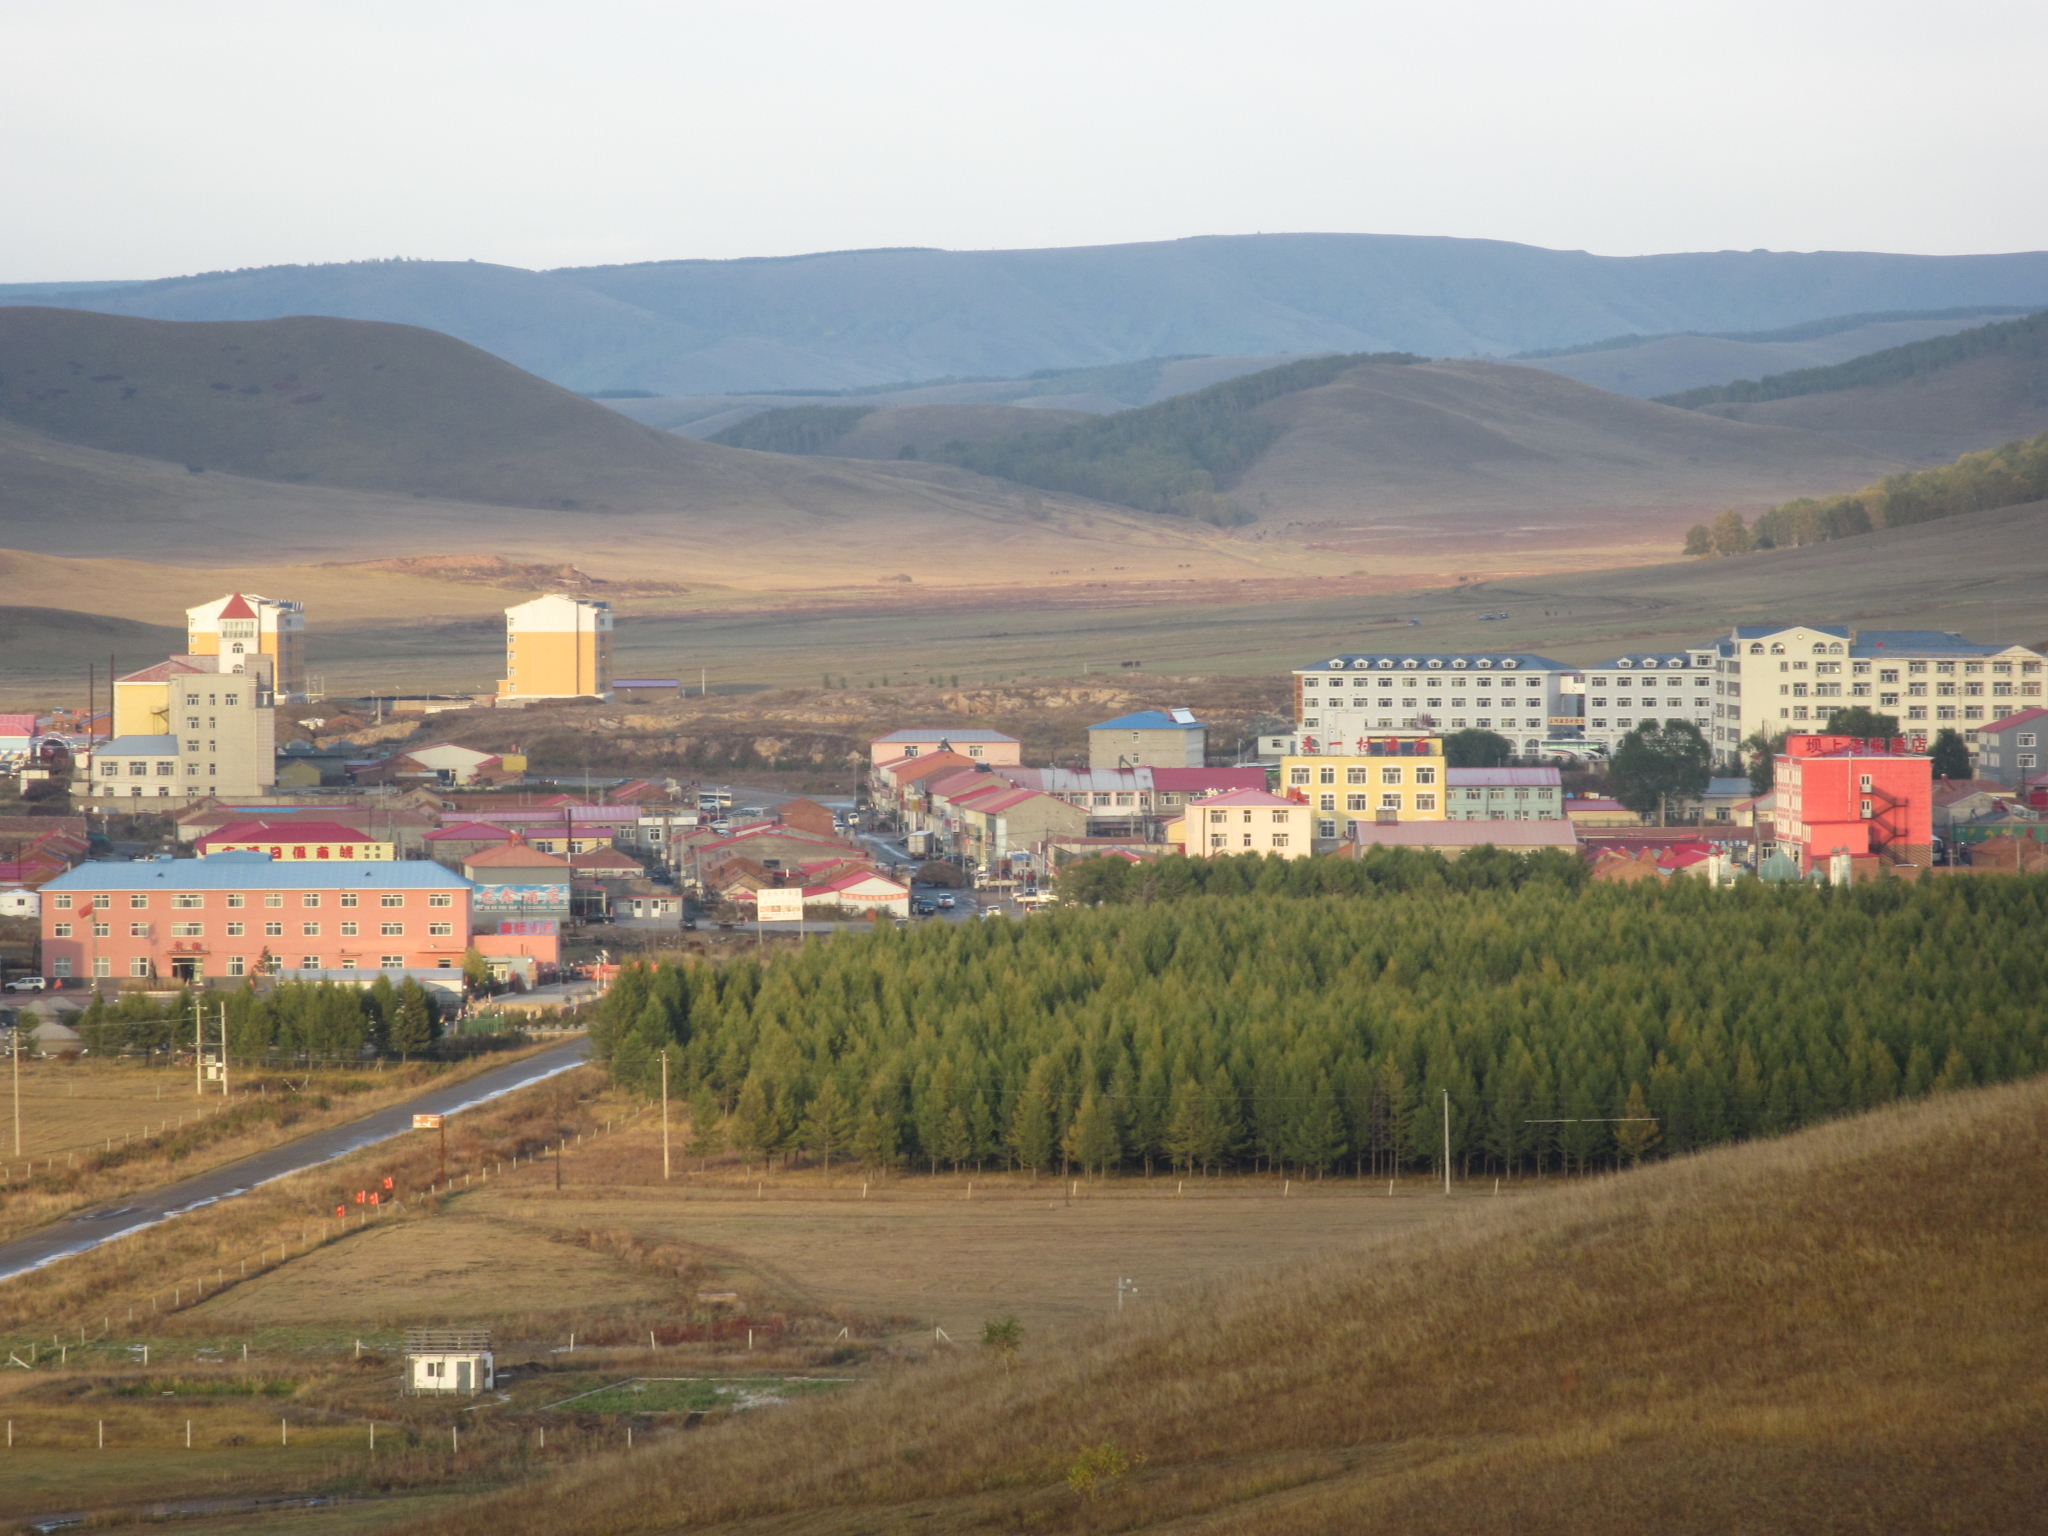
point(1355, 802)
point(1219, 816)
point(102, 930)
point(273, 930)
point(273, 899)
point(1279, 839)
point(1297, 776)
point(1355, 775)
point(447, 930)
point(1326, 829)
point(392, 930)
point(444, 899)
point(187, 930)
point(1425, 775)
point(187, 899)
point(139, 901)
point(60, 967)
point(349, 930)
point(348, 898)
point(235, 930)
point(138, 930)
point(139, 966)
point(64, 903)
point(102, 966)
point(1219, 839)
point(310, 899)
point(309, 962)
point(236, 898)
point(1326, 775)
point(392, 962)
point(1323, 803)
point(1390, 775)
point(62, 931)
point(309, 930)
point(1425, 802)
point(1390, 802)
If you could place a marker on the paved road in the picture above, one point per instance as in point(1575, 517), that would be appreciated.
point(88, 1229)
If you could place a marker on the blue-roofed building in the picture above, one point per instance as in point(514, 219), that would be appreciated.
point(1342, 700)
point(1623, 693)
point(1777, 677)
point(241, 914)
point(1149, 738)
point(135, 768)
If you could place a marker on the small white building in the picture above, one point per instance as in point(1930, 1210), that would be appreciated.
point(20, 901)
point(454, 1360)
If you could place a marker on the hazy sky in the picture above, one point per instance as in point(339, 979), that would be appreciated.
point(145, 139)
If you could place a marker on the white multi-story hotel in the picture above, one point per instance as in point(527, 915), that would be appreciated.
point(1773, 678)
point(1624, 692)
point(1340, 702)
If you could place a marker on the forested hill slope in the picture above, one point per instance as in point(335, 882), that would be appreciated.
point(1926, 401)
point(851, 318)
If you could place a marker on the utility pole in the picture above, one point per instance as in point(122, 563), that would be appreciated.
point(16, 1053)
point(198, 1049)
point(223, 1050)
point(1447, 1141)
point(664, 1112)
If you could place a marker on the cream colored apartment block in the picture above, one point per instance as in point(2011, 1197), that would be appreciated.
point(557, 647)
point(243, 624)
point(197, 726)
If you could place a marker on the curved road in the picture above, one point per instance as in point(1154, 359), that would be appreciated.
point(88, 1229)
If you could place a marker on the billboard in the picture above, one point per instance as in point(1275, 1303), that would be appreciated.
point(780, 906)
point(494, 900)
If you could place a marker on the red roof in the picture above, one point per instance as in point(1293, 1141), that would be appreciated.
point(238, 608)
point(1194, 780)
point(470, 832)
point(1244, 797)
point(514, 856)
point(1997, 725)
point(284, 832)
point(17, 725)
point(163, 671)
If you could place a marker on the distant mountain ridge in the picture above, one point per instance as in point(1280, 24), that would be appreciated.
point(850, 319)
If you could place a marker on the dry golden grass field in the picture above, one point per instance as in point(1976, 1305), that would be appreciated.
point(1838, 1331)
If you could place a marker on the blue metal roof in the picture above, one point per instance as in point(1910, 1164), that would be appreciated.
point(1869, 642)
point(1649, 661)
point(244, 870)
point(139, 746)
point(1148, 720)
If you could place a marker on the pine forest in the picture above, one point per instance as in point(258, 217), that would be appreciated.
point(1309, 1017)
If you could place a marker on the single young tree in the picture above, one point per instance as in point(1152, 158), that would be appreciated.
point(1636, 1133)
point(1730, 536)
point(1091, 1140)
point(874, 1143)
point(828, 1122)
point(1656, 764)
point(1860, 720)
point(1477, 749)
point(1951, 757)
point(707, 1130)
point(412, 1022)
point(1763, 748)
point(1699, 541)
point(755, 1128)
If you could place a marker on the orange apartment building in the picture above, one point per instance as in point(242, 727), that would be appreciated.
point(243, 914)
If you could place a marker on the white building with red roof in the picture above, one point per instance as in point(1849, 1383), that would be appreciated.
point(1244, 821)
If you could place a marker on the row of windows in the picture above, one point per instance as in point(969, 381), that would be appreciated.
point(1280, 817)
point(1913, 712)
point(237, 965)
point(273, 930)
point(140, 899)
point(1387, 802)
point(1220, 840)
point(1299, 777)
point(1410, 682)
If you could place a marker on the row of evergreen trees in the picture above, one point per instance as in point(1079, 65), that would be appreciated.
point(1280, 1027)
point(294, 1020)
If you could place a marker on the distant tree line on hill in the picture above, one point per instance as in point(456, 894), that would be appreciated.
point(2019, 338)
point(1308, 1016)
point(793, 428)
point(2010, 476)
point(1177, 457)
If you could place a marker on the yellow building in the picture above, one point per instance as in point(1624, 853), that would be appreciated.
point(557, 647)
point(1396, 779)
point(1243, 821)
point(242, 624)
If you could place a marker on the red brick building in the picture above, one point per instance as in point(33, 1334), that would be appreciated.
point(1866, 798)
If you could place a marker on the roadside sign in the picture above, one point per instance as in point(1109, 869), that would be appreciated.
point(780, 906)
point(426, 1122)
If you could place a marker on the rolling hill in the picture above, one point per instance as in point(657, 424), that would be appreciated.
point(1925, 401)
point(240, 442)
point(846, 319)
point(1834, 1331)
point(886, 431)
point(1649, 367)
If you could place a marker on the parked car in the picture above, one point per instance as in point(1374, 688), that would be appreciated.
point(947, 902)
point(27, 984)
point(923, 908)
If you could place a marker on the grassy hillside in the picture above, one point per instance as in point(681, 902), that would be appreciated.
point(1649, 367)
point(851, 318)
point(1834, 1332)
point(57, 645)
point(887, 431)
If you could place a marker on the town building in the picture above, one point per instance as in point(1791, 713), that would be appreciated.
point(1865, 799)
point(557, 647)
point(457, 1360)
point(1785, 678)
point(243, 914)
point(1010, 823)
point(1623, 693)
point(211, 730)
point(243, 624)
point(516, 881)
point(1150, 738)
point(976, 746)
point(1340, 701)
point(292, 840)
point(1389, 778)
point(1243, 821)
point(2008, 750)
point(1503, 794)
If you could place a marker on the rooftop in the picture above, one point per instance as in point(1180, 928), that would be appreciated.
point(139, 746)
point(293, 831)
point(2024, 717)
point(936, 733)
point(242, 871)
point(1241, 797)
point(1151, 720)
point(1465, 834)
point(1455, 661)
point(513, 856)
point(1472, 778)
